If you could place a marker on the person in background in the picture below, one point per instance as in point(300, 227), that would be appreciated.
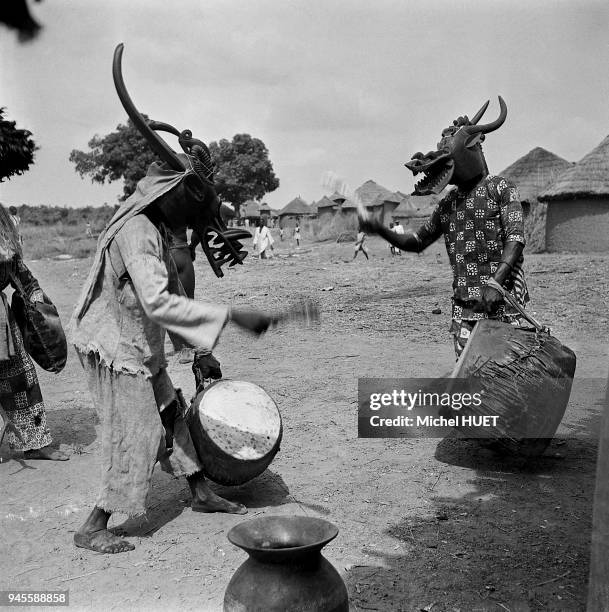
point(20, 396)
point(359, 244)
point(297, 235)
point(263, 240)
point(184, 254)
point(392, 249)
point(16, 220)
point(398, 228)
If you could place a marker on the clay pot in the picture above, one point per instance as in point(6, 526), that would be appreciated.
point(285, 569)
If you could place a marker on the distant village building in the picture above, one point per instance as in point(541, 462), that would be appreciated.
point(313, 210)
point(294, 212)
point(414, 210)
point(534, 172)
point(265, 212)
point(578, 205)
point(327, 208)
point(377, 199)
point(250, 211)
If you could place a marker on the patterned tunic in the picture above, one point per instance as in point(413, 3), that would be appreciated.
point(20, 394)
point(476, 225)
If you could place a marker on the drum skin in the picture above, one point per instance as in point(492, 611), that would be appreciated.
point(219, 466)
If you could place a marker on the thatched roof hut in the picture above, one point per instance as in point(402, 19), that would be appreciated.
point(578, 205)
point(415, 210)
point(588, 178)
point(370, 191)
point(534, 172)
point(293, 211)
point(250, 210)
point(376, 198)
point(327, 208)
point(297, 206)
point(337, 197)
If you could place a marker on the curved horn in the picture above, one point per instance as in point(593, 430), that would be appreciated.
point(158, 145)
point(490, 127)
point(163, 127)
point(479, 114)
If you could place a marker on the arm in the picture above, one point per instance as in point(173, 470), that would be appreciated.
point(199, 324)
point(195, 240)
point(415, 242)
point(30, 285)
point(512, 220)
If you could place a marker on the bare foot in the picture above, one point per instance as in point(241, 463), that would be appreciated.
point(47, 453)
point(214, 503)
point(102, 541)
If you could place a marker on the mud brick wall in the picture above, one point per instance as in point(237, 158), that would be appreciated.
point(578, 225)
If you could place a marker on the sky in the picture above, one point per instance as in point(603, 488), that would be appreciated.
point(351, 88)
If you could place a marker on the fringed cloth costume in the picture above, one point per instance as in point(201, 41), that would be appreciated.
point(132, 295)
point(20, 395)
point(476, 225)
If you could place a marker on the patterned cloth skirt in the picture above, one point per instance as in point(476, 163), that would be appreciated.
point(20, 397)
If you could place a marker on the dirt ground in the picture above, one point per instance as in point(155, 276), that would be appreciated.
point(433, 525)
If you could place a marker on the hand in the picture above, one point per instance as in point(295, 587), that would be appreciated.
point(205, 365)
point(490, 302)
point(253, 321)
point(371, 225)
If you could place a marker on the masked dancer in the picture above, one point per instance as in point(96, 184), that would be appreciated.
point(481, 220)
point(132, 295)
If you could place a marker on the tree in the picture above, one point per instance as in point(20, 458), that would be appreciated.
point(122, 154)
point(16, 15)
point(16, 149)
point(244, 172)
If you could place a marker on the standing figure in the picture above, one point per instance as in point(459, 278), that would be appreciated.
point(392, 249)
point(481, 221)
point(20, 395)
point(398, 228)
point(131, 296)
point(16, 220)
point(281, 234)
point(297, 235)
point(88, 231)
point(359, 244)
point(263, 239)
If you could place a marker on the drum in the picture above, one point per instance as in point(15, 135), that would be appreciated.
point(236, 428)
point(525, 376)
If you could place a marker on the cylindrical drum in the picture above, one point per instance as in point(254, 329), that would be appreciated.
point(236, 428)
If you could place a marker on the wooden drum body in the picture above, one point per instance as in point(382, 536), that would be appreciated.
point(236, 428)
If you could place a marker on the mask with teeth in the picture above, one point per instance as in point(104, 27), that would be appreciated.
point(458, 159)
point(195, 203)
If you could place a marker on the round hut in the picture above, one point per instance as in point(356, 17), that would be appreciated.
point(293, 212)
point(578, 205)
point(532, 173)
point(414, 210)
point(377, 199)
point(250, 212)
point(326, 209)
